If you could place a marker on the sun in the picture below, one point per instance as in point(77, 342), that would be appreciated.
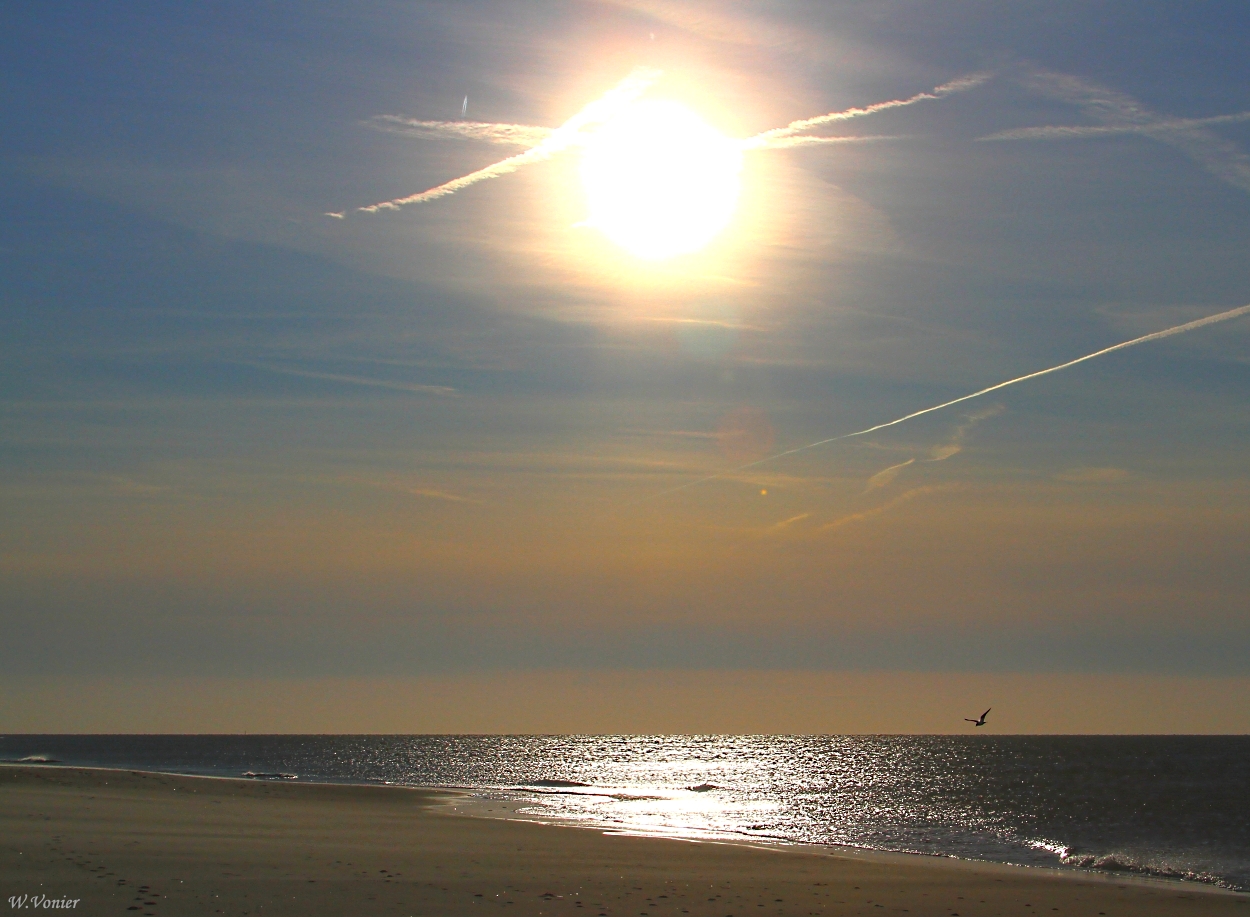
point(660, 181)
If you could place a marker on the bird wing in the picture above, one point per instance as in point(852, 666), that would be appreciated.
point(986, 713)
point(966, 720)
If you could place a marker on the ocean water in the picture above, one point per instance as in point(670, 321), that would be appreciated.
point(1173, 807)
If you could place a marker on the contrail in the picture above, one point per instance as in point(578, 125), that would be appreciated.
point(546, 142)
point(507, 134)
point(503, 167)
point(886, 475)
point(1163, 126)
point(439, 495)
point(1155, 336)
point(1120, 113)
point(350, 380)
point(904, 497)
point(765, 139)
point(599, 110)
point(785, 143)
point(786, 523)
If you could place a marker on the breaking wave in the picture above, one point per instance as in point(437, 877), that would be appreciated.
point(1157, 807)
point(1121, 862)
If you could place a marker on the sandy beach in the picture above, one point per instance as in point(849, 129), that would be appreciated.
point(124, 842)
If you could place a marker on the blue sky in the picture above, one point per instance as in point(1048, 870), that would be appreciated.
point(245, 441)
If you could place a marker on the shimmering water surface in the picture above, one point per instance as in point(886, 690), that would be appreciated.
point(1173, 807)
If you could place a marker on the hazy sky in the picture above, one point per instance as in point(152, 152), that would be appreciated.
point(246, 446)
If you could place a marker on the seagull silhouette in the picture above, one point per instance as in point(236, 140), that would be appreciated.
point(981, 721)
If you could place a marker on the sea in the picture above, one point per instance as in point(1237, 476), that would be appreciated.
point(1165, 807)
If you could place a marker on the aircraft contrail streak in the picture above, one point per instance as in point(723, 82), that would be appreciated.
point(507, 134)
point(503, 167)
point(1155, 336)
point(785, 143)
point(547, 142)
point(351, 380)
point(905, 497)
point(766, 139)
point(1124, 114)
point(887, 475)
point(601, 109)
point(1162, 126)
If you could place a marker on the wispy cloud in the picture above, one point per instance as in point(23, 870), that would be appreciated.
point(1092, 475)
point(905, 497)
point(504, 134)
point(1120, 114)
point(786, 523)
point(676, 434)
point(350, 380)
point(405, 484)
point(955, 444)
point(439, 495)
point(941, 453)
point(132, 488)
point(708, 322)
point(1155, 336)
point(720, 22)
point(1078, 131)
point(886, 476)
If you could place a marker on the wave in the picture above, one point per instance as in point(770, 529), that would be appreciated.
point(1170, 815)
point(37, 759)
point(1119, 861)
point(573, 789)
point(253, 775)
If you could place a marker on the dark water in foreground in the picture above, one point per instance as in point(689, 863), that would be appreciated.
point(1165, 806)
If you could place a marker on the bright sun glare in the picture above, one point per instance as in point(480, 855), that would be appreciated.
point(660, 181)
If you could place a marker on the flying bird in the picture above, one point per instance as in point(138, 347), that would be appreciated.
point(464, 108)
point(981, 721)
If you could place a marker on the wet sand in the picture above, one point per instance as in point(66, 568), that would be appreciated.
point(128, 843)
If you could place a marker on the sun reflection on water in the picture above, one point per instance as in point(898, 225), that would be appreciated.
point(1150, 805)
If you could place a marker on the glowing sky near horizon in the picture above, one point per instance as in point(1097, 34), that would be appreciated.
point(421, 438)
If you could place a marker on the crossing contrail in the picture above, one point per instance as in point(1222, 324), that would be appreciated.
point(768, 138)
point(597, 111)
point(1155, 336)
point(1163, 126)
point(786, 143)
point(546, 142)
point(506, 134)
point(1118, 113)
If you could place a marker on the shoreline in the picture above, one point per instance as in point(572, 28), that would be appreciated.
point(466, 802)
point(847, 851)
point(149, 842)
